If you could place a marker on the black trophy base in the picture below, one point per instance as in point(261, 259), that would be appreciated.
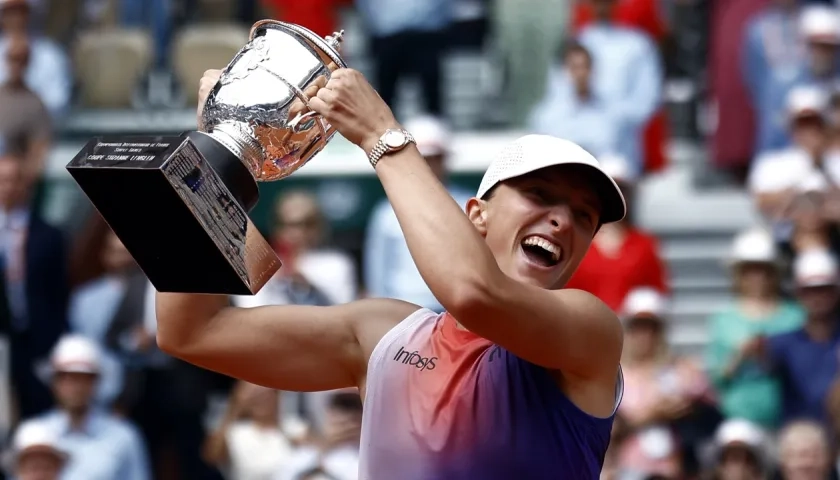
point(180, 205)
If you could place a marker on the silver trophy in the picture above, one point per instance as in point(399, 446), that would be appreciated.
point(180, 203)
point(259, 110)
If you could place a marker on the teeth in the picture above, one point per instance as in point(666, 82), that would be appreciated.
point(549, 247)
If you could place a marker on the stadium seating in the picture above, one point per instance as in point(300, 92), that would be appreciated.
point(201, 47)
point(109, 64)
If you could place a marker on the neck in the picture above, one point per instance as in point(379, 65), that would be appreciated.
point(583, 93)
point(762, 299)
point(10, 208)
point(269, 421)
point(822, 73)
point(817, 155)
point(645, 359)
point(603, 16)
point(820, 328)
point(78, 418)
point(15, 84)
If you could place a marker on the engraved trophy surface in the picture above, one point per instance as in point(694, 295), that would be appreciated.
point(180, 203)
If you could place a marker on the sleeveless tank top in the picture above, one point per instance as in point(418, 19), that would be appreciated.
point(444, 404)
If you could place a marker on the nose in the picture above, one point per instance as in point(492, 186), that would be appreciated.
point(561, 218)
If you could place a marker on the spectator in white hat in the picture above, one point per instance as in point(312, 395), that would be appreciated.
point(813, 212)
point(775, 176)
point(389, 270)
point(820, 27)
point(805, 360)
point(660, 389)
point(101, 446)
point(36, 453)
point(630, 254)
point(736, 333)
point(740, 451)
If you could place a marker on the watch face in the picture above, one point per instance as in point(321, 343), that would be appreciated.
point(394, 139)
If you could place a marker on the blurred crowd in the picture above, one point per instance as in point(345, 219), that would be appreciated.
point(88, 396)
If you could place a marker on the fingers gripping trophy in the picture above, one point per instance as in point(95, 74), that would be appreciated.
point(180, 203)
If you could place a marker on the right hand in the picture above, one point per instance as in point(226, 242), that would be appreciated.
point(205, 86)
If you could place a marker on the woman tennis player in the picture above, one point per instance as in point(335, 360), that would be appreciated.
point(519, 378)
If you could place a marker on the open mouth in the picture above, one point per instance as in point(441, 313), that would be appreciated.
point(541, 252)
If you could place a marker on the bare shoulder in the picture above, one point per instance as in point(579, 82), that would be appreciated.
point(594, 310)
point(584, 299)
point(372, 318)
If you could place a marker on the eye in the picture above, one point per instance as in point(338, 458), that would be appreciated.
point(536, 193)
point(584, 217)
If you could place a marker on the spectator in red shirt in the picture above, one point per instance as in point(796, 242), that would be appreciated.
point(642, 14)
point(630, 256)
point(316, 15)
point(646, 16)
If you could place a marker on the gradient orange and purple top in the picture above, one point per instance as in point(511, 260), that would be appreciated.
point(444, 404)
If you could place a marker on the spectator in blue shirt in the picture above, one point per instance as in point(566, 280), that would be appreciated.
point(572, 110)
point(101, 446)
point(807, 360)
point(771, 61)
point(778, 57)
point(627, 76)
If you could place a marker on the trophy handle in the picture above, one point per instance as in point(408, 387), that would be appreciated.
point(256, 26)
point(297, 123)
point(330, 45)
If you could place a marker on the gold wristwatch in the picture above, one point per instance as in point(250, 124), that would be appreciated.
point(393, 140)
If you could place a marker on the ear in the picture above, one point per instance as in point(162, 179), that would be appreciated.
point(477, 213)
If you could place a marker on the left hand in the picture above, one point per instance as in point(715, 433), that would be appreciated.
point(351, 105)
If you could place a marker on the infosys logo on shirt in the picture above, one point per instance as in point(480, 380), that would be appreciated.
point(415, 359)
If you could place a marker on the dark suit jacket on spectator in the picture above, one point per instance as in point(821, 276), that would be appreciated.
point(47, 290)
point(47, 296)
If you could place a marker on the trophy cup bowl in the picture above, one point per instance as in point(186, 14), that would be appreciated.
point(180, 203)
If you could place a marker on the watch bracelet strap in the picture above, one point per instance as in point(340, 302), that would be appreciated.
point(381, 149)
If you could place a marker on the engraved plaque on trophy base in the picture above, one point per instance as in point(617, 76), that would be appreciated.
point(180, 205)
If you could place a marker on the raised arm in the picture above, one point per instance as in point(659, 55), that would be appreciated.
point(568, 330)
point(289, 347)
